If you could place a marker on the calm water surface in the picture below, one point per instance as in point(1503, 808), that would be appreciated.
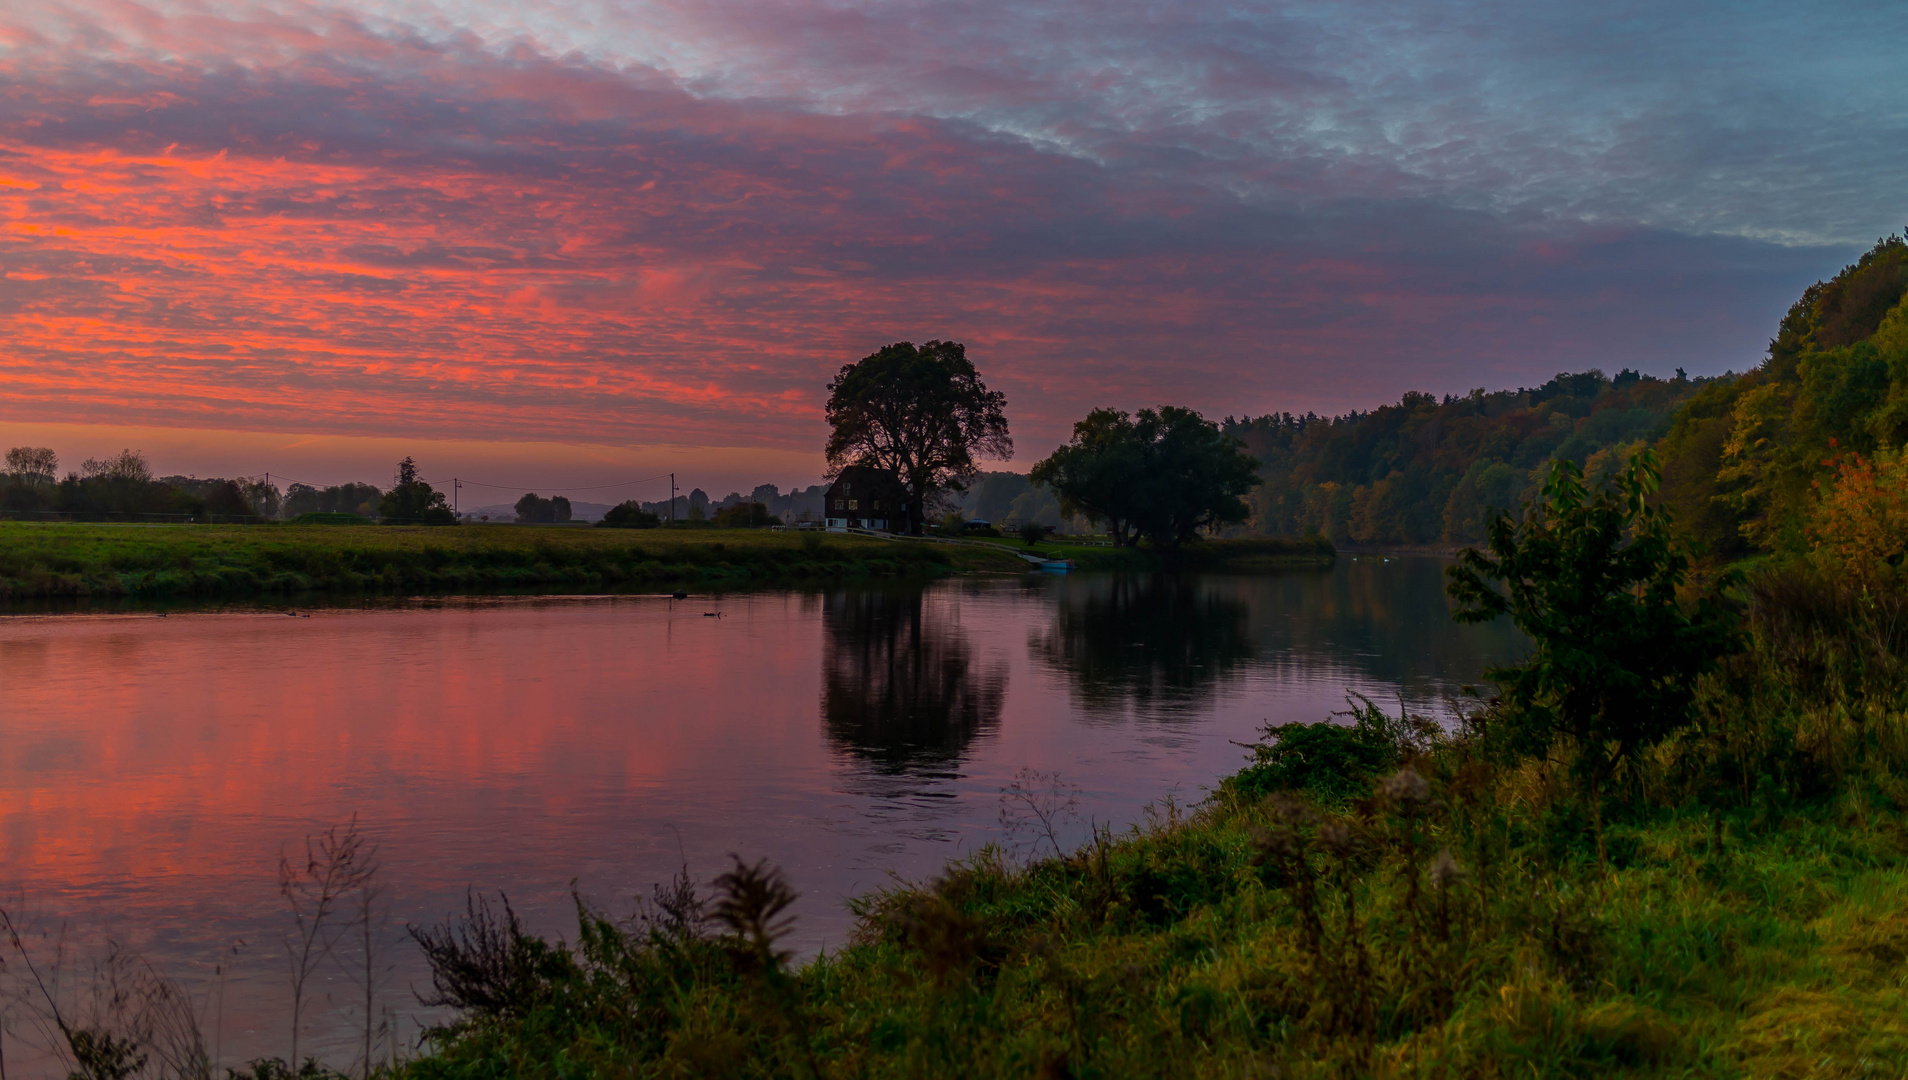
point(152, 769)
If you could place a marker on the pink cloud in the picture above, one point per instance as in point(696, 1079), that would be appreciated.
point(314, 225)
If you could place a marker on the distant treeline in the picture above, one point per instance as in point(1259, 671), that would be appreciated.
point(1427, 471)
point(124, 485)
point(1746, 458)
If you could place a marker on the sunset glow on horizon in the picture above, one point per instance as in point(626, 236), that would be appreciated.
point(660, 225)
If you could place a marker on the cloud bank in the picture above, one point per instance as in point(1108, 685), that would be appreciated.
point(670, 223)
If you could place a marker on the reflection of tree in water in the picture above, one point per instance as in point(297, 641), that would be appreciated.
point(901, 688)
point(1384, 618)
point(1162, 642)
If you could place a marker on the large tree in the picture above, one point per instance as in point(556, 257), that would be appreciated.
point(1093, 474)
point(922, 414)
point(1193, 476)
point(1163, 474)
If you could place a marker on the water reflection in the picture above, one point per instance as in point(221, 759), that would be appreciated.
point(1157, 643)
point(902, 687)
point(151, 769)
point(1385, 618)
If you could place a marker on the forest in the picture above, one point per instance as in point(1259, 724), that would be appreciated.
point(1743, 453)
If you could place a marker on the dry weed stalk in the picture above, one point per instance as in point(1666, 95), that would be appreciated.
point(129, 1018)
point(337, 866)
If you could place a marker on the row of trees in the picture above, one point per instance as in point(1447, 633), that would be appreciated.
point(924, 414)
point(123, 485)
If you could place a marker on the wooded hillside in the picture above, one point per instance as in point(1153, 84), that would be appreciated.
point(1743, 455)
point(1426, 471)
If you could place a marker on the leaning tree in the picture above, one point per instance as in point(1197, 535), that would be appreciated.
point(922, 414)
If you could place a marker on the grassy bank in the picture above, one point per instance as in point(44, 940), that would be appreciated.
point(75, 560)
point(1245, 555)
point(84, 560)
point(1385, 897)
point(1463, 928)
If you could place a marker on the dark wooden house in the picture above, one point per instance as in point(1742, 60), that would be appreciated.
point(864, 497)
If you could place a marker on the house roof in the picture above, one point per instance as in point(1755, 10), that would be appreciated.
point(867, 475)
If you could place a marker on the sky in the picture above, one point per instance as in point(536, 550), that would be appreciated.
point(584, 242)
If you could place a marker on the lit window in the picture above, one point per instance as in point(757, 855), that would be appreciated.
point(851, 504)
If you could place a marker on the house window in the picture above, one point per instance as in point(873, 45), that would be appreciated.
point(839, 505)
point(852, 502)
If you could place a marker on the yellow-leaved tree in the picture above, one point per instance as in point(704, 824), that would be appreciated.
point(1861, 525)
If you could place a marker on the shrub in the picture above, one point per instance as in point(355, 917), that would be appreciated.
point(1332, 761)
point(1593, 579)
point(629, 515)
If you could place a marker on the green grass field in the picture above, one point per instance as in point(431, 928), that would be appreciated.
point(74, 560)
point(86, 560)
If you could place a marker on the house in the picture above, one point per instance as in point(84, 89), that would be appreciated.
point(864, 497)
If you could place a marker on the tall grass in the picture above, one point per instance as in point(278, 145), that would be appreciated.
point(1412, 903)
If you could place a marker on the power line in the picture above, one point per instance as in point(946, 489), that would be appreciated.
point(542, 487)
point(499, 487)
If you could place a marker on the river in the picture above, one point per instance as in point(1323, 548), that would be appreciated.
point(152, 769)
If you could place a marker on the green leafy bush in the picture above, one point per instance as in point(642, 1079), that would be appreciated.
point(1593, 580)
point(1331, 761)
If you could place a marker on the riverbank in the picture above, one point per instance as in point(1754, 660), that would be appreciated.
point(1383, 898)
point(42, 561)
point(1246, 555)
point(1464, 931)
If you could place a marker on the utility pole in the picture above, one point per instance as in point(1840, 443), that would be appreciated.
point(672, 497)
point(456, 485)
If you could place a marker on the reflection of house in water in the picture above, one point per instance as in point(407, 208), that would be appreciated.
point(1159, 642)
point(900, 688)
point(864, 497)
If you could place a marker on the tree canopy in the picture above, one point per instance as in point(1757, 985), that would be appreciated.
point(414, 502)
point(921, 413)
point(33, 464)
point(533, 509)
point(1164, 474)
point(629, 515)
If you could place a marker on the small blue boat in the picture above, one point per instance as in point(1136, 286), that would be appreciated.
point(1056, 566)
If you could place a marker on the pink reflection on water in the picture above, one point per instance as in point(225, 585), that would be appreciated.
point(151, 769)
